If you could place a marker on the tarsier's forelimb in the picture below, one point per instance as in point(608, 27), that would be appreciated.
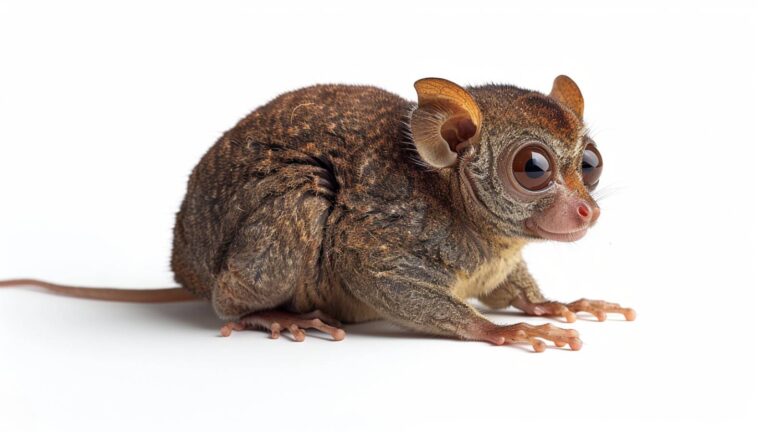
point(412, 292)
point(521, 291)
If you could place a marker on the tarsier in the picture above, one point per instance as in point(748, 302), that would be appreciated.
point(338, 203)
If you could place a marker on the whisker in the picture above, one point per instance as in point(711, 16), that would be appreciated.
point(607, 191)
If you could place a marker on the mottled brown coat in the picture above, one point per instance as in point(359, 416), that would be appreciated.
point(319, 200)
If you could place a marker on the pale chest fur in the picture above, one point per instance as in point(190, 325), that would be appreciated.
point(489, 274)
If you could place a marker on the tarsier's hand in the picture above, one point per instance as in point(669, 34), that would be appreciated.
point(600, 309)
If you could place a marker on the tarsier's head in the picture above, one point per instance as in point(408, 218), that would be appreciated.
point(524, 160)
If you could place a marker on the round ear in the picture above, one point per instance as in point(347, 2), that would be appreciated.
point(565, 91)
point(445, 121)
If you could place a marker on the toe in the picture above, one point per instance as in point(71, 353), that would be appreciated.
point(575, 344)
point(275, 330)
point(338, 334)
point(569, 316)
point(538, 345)
point(226, 329)
point(296, 332)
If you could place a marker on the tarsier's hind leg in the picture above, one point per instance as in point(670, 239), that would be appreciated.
point(272, 263)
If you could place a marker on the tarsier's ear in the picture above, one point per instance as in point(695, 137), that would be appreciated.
point(565, 91)
point(445, 122)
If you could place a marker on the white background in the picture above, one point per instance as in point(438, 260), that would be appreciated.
point(105, 109)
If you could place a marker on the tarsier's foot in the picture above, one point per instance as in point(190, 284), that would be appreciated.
point(277, 321)
point(526, 333)
point(598, 308)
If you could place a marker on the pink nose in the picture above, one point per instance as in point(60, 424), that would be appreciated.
point(588, 213)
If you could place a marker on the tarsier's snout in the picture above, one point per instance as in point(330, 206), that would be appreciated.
point(567, 219)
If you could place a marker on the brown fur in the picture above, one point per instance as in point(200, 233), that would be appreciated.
point(318, 200)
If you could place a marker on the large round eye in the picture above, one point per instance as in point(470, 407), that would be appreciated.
point(532, 168)
point(591, 165)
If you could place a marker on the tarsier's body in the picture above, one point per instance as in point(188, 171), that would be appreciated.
point(356, 203)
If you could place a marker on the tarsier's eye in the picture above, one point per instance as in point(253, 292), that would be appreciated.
point(591, 165)
point(532, 167)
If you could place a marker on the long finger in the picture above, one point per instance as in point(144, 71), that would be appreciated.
point(336, 333)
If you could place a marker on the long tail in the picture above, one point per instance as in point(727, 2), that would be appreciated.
point(163, 295)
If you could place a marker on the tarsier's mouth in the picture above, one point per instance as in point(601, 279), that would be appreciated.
point(567, 236)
